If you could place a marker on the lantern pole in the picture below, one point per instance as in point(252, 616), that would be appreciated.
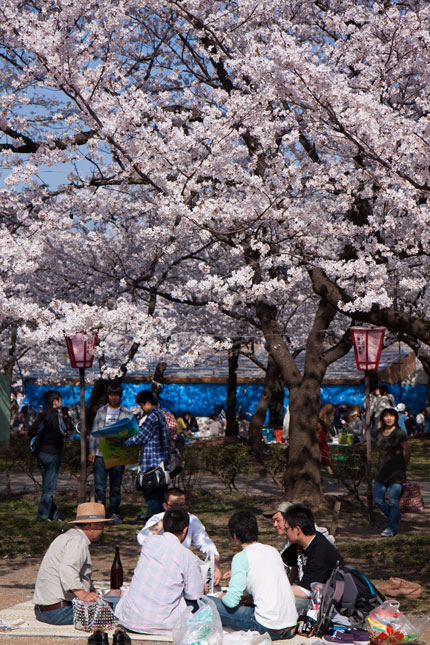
point(81, 354)
point(367, 349)
point(82, 489)
point(368, 448)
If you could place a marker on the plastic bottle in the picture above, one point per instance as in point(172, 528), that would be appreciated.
point(116, 572)
point(316, 598)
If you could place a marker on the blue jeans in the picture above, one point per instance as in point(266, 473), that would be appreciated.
point(61, 616)
point(100, 481)
point(243, 618)
point(391, 509)
point(49, 466)
point(154, 499)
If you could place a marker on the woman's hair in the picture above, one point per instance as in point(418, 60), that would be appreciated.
point(385, 411)
point(322, 423)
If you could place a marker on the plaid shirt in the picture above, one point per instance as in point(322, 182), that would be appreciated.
point(153, 436)
point(172, 426)
point(165, 575)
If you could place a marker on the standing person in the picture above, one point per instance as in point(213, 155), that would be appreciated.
point(110, 413)
point(401, 416)
point(326, 459)
point(153, 436)
point(258, 572)
point(65, 571)
point(167, 578)
point(52, 428)
point(394, 454)
point(420, 420)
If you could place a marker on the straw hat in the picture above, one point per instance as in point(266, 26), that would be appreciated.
point(90, 512)
point(282, 507)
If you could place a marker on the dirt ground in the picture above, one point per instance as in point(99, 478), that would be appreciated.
point(17, 576)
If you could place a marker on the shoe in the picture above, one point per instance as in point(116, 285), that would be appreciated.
point(387, 533)
point(144, 517)
point(98, 638)
point(115, 519)
point(120, 637)
point(360, 636)
point(339, 637)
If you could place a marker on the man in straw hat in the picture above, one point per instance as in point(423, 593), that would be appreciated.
point(65, 571)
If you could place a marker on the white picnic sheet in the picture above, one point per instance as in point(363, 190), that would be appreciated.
point(31, 627)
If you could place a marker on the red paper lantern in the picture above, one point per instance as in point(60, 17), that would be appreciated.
point(367, 346)
point(81, 349)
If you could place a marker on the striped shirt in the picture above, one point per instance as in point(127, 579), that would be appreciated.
point(165, 575)
point(153, 436)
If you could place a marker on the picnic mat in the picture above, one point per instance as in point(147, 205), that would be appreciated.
point(32, 627)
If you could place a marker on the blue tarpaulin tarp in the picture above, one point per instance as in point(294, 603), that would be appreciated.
point(203, 399)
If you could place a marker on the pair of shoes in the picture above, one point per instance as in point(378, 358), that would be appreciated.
point(98, 638)
point(120, 637)
point(115, 519)
point(387, 533)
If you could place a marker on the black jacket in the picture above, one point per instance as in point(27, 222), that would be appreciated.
point(52, 437)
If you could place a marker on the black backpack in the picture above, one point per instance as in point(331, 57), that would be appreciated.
point(350, 593)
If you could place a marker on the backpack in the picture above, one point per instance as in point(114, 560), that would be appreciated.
point(349, 592)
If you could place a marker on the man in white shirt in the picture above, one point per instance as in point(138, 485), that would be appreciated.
point(65, 571)
point(196, 536)
point(108, 414)
point(259, 595)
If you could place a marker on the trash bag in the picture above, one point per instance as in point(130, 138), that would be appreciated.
point(203, 625)
point(388, 625)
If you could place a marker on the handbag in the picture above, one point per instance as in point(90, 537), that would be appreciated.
point(153, 478)
point(176, 465)
point(411, 499)
point(36, 441)
point(88, 616)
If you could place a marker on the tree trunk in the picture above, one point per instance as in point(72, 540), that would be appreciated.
point(303, 474)
point(303, 477)
point(158, 378)
point(276, 406)
point(232, 426)
point(255, 427)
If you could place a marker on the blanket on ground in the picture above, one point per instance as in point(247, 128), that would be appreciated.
point(31, 627)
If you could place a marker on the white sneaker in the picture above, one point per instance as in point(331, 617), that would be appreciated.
point(387, 533)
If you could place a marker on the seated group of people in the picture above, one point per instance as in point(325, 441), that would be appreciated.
point(267, 589)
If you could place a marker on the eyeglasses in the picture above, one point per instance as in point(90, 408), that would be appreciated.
point(177, 505)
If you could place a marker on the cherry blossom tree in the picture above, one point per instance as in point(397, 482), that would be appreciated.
point(220, 160)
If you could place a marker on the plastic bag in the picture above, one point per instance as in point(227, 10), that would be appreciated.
point(207, 568)
point(247, 638)
point(388, 625)
point(204, 625)
point(88, 616)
